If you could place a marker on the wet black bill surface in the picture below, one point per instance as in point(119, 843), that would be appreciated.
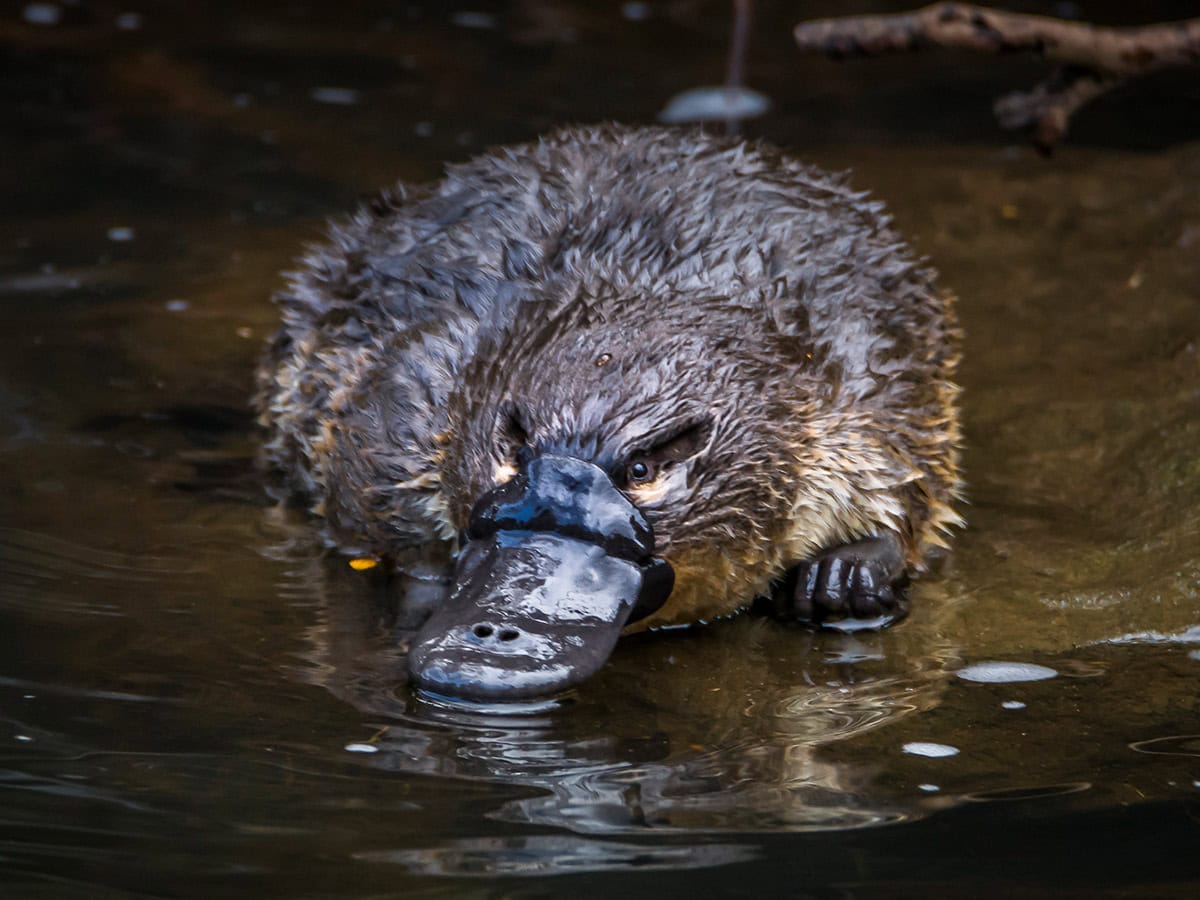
point(531, 614)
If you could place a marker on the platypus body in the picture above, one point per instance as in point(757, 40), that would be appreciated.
point(625, 378)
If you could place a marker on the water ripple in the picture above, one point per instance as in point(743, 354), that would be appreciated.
point(63, 690)
point(51, 576)
point(1029, 793)
point(1175, 745)
point(555, 855)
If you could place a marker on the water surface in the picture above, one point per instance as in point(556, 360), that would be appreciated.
point(196, 700)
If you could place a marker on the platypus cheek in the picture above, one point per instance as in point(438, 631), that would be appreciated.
point(556, 562)
point(651, 494)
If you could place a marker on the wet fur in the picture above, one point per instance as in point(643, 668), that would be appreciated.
point(595, 293)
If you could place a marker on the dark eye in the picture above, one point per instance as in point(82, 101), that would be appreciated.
point(639, 472)
point(511, 435)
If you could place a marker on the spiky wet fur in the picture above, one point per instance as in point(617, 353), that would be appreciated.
point(593, 293)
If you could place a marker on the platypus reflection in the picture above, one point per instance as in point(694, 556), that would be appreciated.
point(629, 378)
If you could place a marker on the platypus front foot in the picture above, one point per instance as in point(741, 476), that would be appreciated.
point(853, 586)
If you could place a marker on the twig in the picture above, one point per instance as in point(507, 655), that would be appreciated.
point(1093, 59)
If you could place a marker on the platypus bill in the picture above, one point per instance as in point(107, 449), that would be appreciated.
point(624, 378)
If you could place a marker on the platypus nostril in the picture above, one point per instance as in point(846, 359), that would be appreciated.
point(486, 642)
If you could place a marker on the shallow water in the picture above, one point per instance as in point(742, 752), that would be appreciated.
point(194, 701)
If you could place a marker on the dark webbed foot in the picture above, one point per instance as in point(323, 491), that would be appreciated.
point(857, 585)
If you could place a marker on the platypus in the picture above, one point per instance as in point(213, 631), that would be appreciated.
point(619, 379)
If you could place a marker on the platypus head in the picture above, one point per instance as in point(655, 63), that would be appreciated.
point(623, 463)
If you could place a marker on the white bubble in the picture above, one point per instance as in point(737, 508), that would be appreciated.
point(362, 748)
point(469, 19)
point(929, 788)
point(1005, 672)
point(1012, 704)
point(23, 738)
point(121, 233)
point(42, 14)
point(176, 305)
point(714, 104)
point(927, 748)
point(338, 96)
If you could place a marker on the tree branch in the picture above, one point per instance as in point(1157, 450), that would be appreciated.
point(1093, 59)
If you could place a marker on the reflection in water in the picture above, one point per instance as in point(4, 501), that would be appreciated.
point(737, 746)
point(544, 855)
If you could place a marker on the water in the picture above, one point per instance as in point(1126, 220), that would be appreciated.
point(194, 701)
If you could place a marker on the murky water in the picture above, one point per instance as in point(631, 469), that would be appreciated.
point(195, 702)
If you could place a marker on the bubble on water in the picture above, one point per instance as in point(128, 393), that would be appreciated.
point(1012, 704)
point(338, 96)
point(929, 788)
point(636, 12)
point(176, 305)
point(23, 738)
point(470, 19)
point(930, 749)
point(42, 14)
point(121, 233)
point(362, 748)
point(714, 104)
point(1005, 672)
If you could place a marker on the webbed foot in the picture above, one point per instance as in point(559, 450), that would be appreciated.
point(853, 586)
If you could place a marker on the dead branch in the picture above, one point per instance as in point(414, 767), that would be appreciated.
point(1093, 59)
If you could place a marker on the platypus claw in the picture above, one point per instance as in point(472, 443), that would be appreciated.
point(857, 585)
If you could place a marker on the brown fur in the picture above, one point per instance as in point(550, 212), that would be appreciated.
point(595, 293)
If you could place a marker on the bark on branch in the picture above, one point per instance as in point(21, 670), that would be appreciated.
point(1092, 59)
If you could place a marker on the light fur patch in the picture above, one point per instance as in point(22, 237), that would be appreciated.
point(652, 493)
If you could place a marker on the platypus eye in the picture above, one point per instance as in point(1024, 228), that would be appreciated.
point(674, 446)
point(647, 465)
point(639, 472)
point(511, 443)
point(511, 434)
